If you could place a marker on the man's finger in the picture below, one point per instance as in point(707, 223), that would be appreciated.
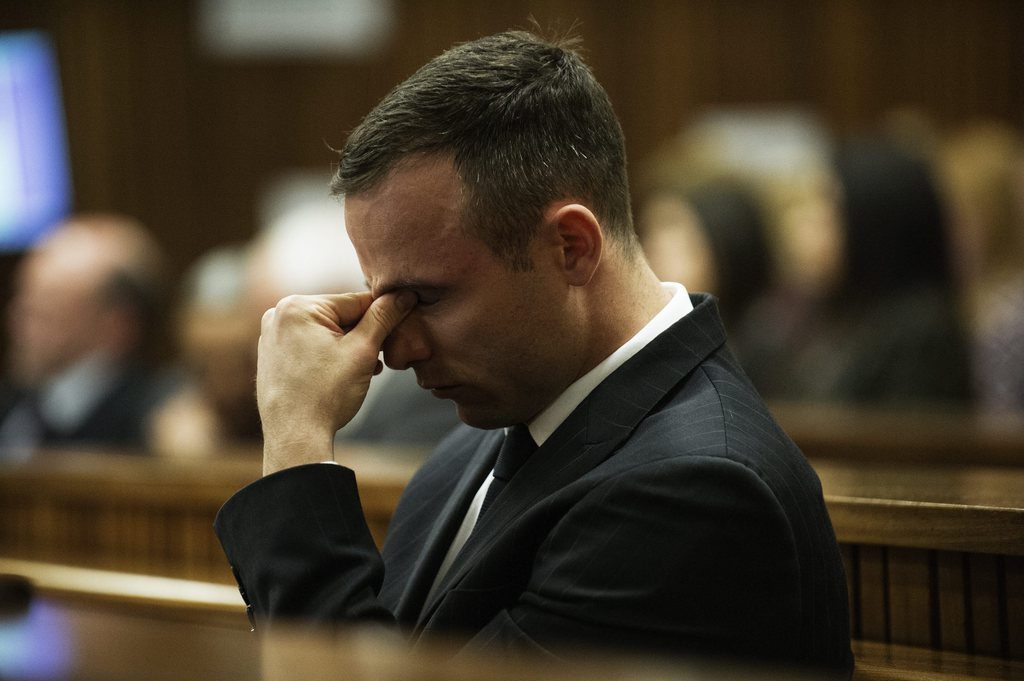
point(347, 308)
point(384, 315)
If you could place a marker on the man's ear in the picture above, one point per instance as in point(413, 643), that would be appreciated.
point(580, 241)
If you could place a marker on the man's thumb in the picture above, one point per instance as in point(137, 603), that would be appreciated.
point(385, 314)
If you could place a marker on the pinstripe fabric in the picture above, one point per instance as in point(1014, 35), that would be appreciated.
point(668, 512)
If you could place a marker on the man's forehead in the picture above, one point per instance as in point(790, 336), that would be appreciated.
point(417, 177)
point(421, 264)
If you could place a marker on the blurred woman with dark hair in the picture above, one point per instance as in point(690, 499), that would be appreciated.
point(903, 337)
point(711, 238)
point(889, 331)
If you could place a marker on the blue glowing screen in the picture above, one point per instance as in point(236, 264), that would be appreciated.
point(35, 180)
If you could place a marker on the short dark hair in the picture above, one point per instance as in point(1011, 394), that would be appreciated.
point(525, 123)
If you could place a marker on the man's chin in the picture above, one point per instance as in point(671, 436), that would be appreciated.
point(483, 418)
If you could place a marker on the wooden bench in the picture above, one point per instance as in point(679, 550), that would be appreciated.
point(113, 606)
point(141, 601)
point(154, 516)
point(889, 662)
point(933, 552)
point(155, 597)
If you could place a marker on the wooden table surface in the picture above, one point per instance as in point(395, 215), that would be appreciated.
point(906, 435)
point(56, 639)
point(934, 506)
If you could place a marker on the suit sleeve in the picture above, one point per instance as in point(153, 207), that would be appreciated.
point(299, 546)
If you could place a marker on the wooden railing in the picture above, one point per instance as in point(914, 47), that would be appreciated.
point(153, 516)
point(122, 625)
point(934, 552)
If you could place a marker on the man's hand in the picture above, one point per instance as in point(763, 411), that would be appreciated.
point(317, 355)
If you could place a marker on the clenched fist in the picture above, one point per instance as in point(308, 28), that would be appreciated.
point(317, 355)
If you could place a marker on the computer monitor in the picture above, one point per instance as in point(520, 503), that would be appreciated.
point(35, 178)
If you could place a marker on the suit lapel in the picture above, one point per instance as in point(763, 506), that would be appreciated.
point(442, 532)
point(596, 428)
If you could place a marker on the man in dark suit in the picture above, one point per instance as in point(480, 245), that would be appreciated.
point(643, 496)
point(85, 306)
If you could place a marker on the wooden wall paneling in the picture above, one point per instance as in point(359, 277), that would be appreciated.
point(12, 519)
point(110, 529)
point(156, 531)
point(138, 548)
point(986, 605)
point(764, 51)
point(874, 607)
point(52, 519)
point(147, 527)
point(126, 538)
point(64, 539)
point(646, 60)
point(978, 47)
point(43, 527)
point(846, 80)
point(951, 596)
point(126, 79)
point(661, 79)
point(204, 554)
point(7, 518)
point(158, 534)
point(80, 31)
point(910, 602)
point(1013, 567)
point(190, 542)
point(179, 555)
point(165, 109)
point(124, 535)
point(24, 530)
point(193, 561)
point(186, 140)
point(86, 530)
point(108, 523)
point(135, 545)
point(70, 528)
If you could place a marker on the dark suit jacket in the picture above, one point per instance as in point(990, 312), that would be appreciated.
point(668, 512)
point(118, 420)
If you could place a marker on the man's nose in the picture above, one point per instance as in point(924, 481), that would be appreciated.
point(406, 344)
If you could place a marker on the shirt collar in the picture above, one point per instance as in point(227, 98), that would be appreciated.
point(548, 420)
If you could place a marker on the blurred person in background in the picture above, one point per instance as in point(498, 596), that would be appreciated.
point(85, 311)
point(887, 328)
point(305, 250)
point(983, 169)
point(711, 238)
point(308, 251)
point(214, 405)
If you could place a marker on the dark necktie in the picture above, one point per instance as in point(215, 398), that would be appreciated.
point(515, 450)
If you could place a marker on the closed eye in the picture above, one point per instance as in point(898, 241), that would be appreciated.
point(426, 294)
point(425, 299)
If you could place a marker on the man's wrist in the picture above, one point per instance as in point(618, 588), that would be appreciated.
point(282, 451)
